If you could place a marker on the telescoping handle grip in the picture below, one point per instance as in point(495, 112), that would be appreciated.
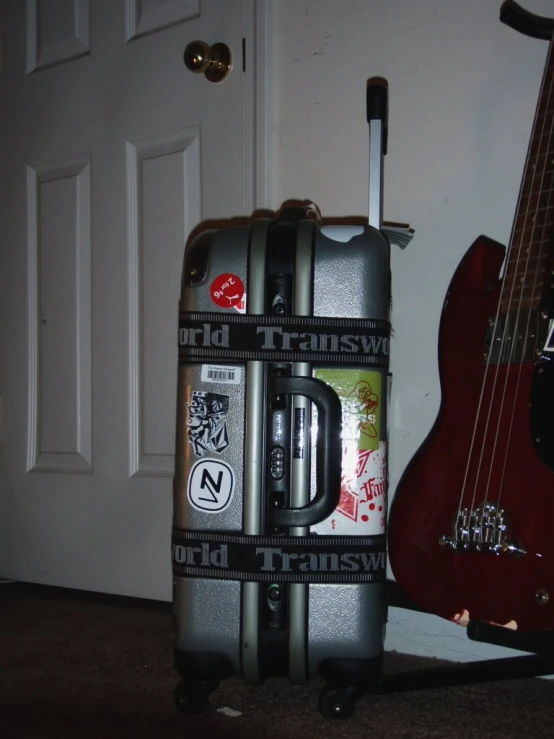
point(328, 450)
point(377, 106)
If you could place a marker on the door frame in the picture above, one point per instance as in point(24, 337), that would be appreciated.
point(259, 101)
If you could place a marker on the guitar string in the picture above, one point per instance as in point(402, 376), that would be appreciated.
point(508, 378)
point(480, 408)
point(495, 379)
point(493, 391)
point(485, 375)
point(548, 159)
point(477, 417)
point(470, 458)
point(516, 325)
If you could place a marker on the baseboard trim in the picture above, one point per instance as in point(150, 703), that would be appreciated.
point(53, 591)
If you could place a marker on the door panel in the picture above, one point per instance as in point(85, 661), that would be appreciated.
point(147, 16)
point(56, 32)
point(59, 323)
point(163, 179)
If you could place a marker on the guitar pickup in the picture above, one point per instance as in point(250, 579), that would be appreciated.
point(514, 337)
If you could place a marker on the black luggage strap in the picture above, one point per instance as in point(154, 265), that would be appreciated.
point(231, 338)
point(279, 559)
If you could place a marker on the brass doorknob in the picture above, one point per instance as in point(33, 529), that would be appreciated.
point(214, 62)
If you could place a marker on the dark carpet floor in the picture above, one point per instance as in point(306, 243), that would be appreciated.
point(78, 665)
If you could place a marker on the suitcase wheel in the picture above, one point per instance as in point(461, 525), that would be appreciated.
point(337, 702)
point(193, 696)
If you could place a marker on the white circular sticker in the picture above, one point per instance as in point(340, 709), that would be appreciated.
point(211, 485)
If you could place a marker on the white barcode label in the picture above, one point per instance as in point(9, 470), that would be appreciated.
point(221, 373)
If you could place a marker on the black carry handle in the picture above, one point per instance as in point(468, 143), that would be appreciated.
point(328, 450)
point(377, 104)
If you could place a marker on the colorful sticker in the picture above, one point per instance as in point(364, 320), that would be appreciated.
point(207, 422)
point(240, 307)
point(227, 290)
point(221, 373)
point(211, 485)
point(362, 505)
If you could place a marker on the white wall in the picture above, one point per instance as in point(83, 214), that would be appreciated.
point(463, 89)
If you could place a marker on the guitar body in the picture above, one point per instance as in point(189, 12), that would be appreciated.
point(479, 450)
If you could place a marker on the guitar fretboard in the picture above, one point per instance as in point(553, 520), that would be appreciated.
point(533, 229)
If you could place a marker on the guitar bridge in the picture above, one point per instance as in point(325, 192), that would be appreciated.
point(482, 529)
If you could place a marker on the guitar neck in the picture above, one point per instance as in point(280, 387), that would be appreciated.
point(531, 239)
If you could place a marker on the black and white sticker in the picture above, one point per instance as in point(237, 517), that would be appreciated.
point(221, 373)
point(207, 422)
point(549, 343)
point(211, 485)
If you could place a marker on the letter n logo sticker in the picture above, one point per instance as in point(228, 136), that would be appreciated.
point(211, 485)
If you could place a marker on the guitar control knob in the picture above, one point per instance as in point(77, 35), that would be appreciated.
point(542, 597)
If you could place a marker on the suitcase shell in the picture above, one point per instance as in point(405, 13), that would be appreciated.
point(345, 621)
point(282, 404)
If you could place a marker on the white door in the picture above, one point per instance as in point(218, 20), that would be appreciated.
point(112, 152)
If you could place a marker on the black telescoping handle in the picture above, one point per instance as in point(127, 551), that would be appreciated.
point(377, 105)
point(328, 450)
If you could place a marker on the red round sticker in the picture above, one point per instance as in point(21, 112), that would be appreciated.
point(227, 290)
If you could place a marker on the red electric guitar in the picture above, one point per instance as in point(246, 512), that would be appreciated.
point(471, 529)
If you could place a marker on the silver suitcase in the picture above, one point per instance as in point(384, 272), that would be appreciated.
point(279, 540)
